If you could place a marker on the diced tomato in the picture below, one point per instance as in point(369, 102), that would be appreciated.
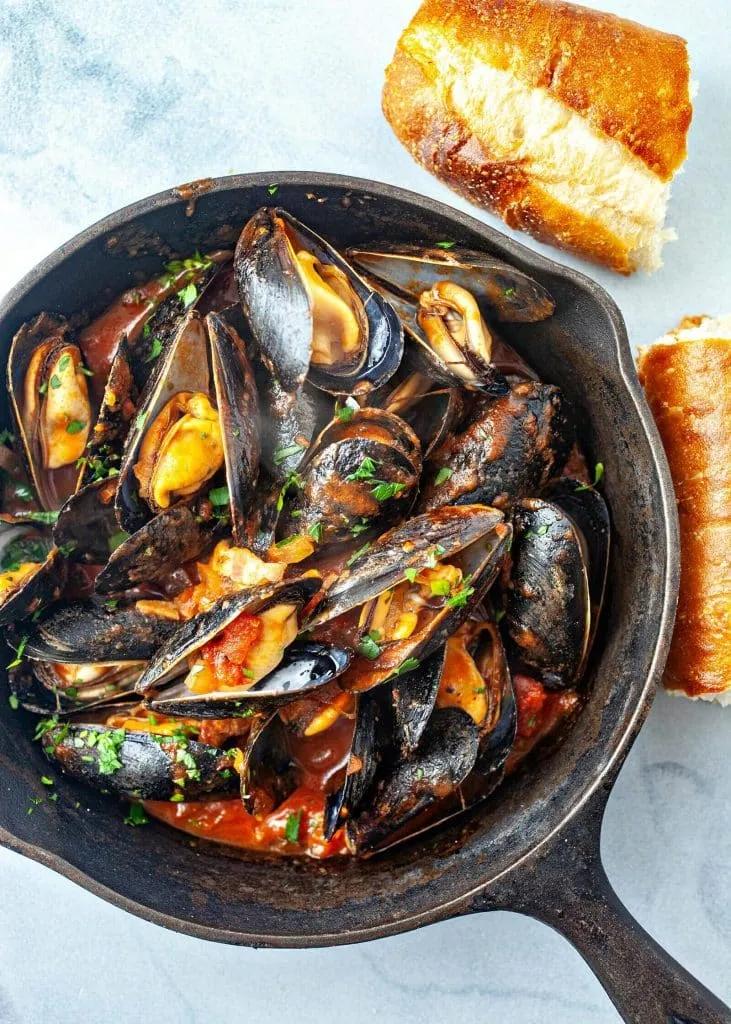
point(530, 697)
point(226, 654)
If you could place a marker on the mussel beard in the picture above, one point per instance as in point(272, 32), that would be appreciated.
point(181, 450)
point(339, 326)
point(244, 652)
point(56, 405)
point(455, 330)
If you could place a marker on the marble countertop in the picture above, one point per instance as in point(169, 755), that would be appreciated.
point(104, 104)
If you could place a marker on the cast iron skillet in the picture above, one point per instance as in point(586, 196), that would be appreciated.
point(535, 847)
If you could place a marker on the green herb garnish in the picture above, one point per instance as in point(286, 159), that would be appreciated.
point(108, 746)
point(459, 597)
point(442, 476)
point(55, 381)
point(13, 701)
point(75, 426)
point(368, 645)
point(19, 651)
point(411, 574)
point(292, 827)
point(47, 518)
point(315, 531)
point(384, 491)
point(155, 350)
point(219, 496)
point(188, 295)
point(116, 539)
point(272, 189)
point(136, 816)
point(282, 454)
point(598, 476)
point(445, 245)
point(365, 471)
point(440, 588)
point(356, 554)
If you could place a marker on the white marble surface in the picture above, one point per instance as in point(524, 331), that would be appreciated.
point(103, 104)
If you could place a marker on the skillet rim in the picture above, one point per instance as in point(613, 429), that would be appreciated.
point(666, 514)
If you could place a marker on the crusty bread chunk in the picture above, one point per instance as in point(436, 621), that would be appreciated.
point(687, 379)
point(567, 122)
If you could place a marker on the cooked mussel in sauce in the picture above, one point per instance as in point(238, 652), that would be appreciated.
point(297, 552)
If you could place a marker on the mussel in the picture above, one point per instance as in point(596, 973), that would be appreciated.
point(138, 765)
point(47, 383)
point(509, 448)
point(362, 473)
point(85, 654)
point(239, 656)
point(510, 295)
point(433, 414)
point(32, 572)
point(311, 315)
point(548, 609)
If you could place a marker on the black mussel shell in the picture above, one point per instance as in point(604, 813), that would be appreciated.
point(267, 763)
point(192, 634)
point(277, 307)
point(510, 295)
point(368, 745)
point(89, 633)
point(165, 542)
point(414, 696)
point(498, 730)
point(589, 513)
point(39, 689)
point(87, 527)
point(434, 771)
point(52, 334)
point(383, 564)
point(289, 424)
point(304, 667)
point(40, 587)
point(509, 449)
point(139, 764)
point(238, 410)
point(334, 492)
point(480, 564)
point(116, 411)
point(548, 608)
point(182, 366)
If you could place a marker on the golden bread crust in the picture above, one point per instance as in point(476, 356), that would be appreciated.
point(688, 386)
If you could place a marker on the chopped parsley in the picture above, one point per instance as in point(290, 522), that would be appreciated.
point(47, 780)
point(366, 471)
point(75, 426)
point(368, 645)
point(136, 816)
point(286, 540)
point(356, 554)
point(407, 665)
point(67, 549)
point(292, 827)
point(293, 480)
point(315, 531)
point(155, 350)
point(272, 190)
point(357, 528)
point(445, 245)
point(108, 746)
point(63, 363)
point(13, 701)
point(509, 293)
point(6, 437)
point(219, 496)
point(47, 518)
point(188, 295)
point(346, 412)
point(459, 597)
point(411, 574)
point(177, 798)
point(55, 381)
point(384, 491)
point(24, 550)
point(282, 454)
point(598, 477)
point(140, 420)
point(116, 539)
point(442, 476)
point(19, 651)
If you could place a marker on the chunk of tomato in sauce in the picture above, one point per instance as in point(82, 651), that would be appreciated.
point(227, 653)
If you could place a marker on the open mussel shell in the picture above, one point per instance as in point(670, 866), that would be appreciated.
point(165, 542)
point(44, 688)
point(116, 410)
point(87, 632)
point(303, 668)
point(433, 772)
point(192, 634)
point(480, 564)
point(509, 448)
point(34, 576)
point(139, 765)
point(548, 607)
point(277, 301)
point(51, 406)
point(414, 697)
point(511, 295)
point(182, 367)
point(383, 564)
point(335, 494)
point(447, 340)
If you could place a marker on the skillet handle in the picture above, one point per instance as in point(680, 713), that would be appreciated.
point(565, 886)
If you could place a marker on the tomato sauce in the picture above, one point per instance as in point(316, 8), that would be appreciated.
point(295, 827)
